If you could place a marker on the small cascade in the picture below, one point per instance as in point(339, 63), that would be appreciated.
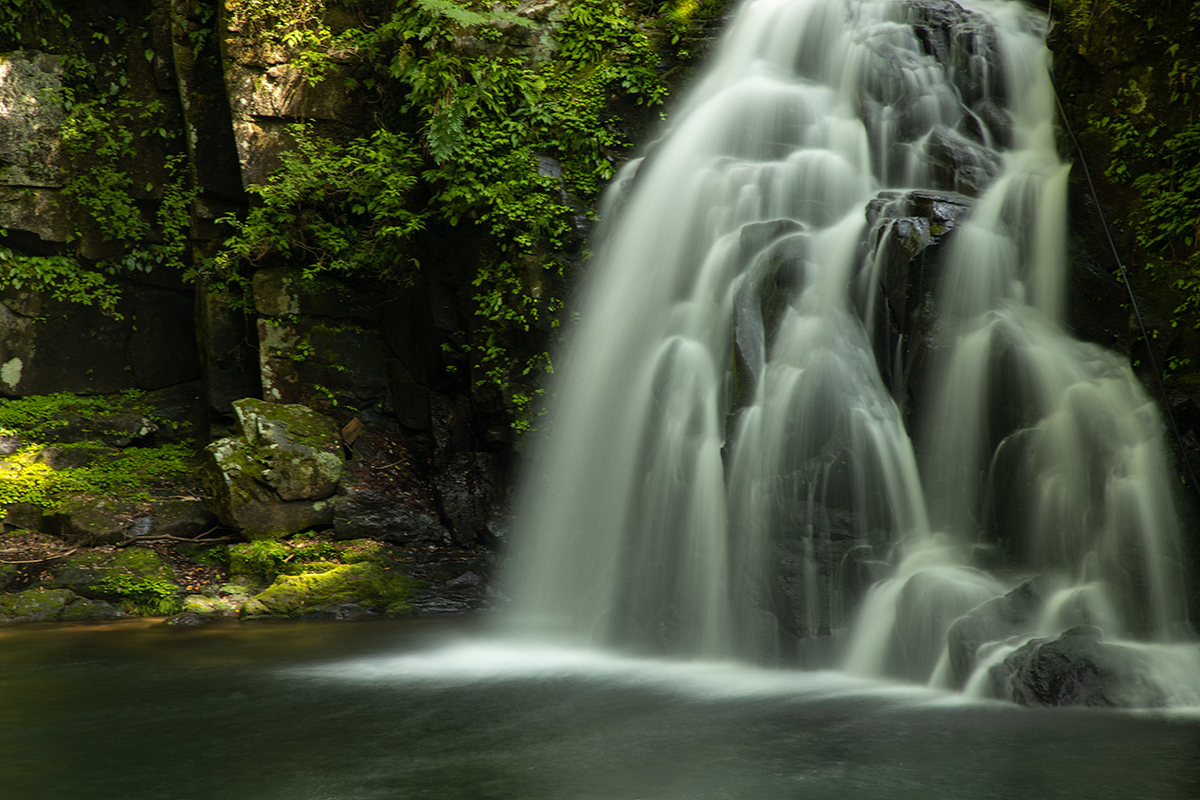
point(821, 403)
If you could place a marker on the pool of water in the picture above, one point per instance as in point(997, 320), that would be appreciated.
point(436, 709)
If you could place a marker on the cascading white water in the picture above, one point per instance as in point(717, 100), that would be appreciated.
point(853, 229)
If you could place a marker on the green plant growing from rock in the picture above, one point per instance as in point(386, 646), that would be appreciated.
point(512, 135)
point(143, 596)
point(104, 128)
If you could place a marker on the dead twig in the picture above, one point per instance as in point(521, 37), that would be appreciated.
point(41, 560)
point(162, 537)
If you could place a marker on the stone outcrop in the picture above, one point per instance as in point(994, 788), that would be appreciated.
point(279, 475)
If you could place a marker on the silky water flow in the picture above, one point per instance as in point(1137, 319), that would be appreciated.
point(821, 403)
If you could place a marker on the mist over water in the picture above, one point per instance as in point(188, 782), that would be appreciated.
point(821, 403)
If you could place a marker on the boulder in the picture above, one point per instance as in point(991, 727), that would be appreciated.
point(1078, 669)
point(53, 605)
point(342, 591)
point(995, 620)
point(90, 521)
point(277, 478)
point(94, 573)
point(182, 518)
point(240, 496)
point(300, 450)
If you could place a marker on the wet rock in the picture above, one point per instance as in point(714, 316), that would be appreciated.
point(958, 164)
point(1077, 669)
point(460, 594)
point(189, 619)
point(88, 610)
point(993, 621)
point(928, 604)
point(36, 605)
point(214, 607)
point(895, 292)
point(467, 483)
point(366, 512)
point(40, 604)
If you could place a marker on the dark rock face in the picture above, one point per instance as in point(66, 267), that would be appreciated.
point(993, 621)
point(91, 521)
point(385, 492)
point(895, 296)
point(1076, 669)
point(468, 483)
point(365, 512)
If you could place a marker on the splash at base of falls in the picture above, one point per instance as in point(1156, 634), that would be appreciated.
point(821, 390)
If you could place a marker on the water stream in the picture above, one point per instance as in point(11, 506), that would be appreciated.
point(822, 408)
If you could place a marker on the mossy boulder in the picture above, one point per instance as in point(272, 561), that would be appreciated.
point(53, 605)
point(90, 521)
point(278, 477)
point(300, 450)
point(136, 578)
point(346, 590)
point(241, 498)
point(211, 606)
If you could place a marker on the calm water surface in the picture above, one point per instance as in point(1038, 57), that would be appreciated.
point(432, 709)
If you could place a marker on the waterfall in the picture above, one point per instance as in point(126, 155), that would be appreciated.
point(821, 389)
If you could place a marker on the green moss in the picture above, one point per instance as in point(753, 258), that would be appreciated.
point(367, 585)
point(141, 596)
point(130, 473)
point(136, 578)
point(36, 605)
point(261, 560)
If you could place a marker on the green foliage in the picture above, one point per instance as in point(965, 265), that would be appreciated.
point(262, 560)
point(16, 14)
point(132, 473)
point(335, 209)
point(313, 548)
point(62, 277)
point(104, 128)
point(142, 595)
point(36, 415)
point(24, 480)
point(511, 133)
point(1155, 149)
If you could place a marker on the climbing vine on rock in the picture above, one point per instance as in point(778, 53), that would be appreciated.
point(106, 127)
point(503, 113)
point(1151, 128)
